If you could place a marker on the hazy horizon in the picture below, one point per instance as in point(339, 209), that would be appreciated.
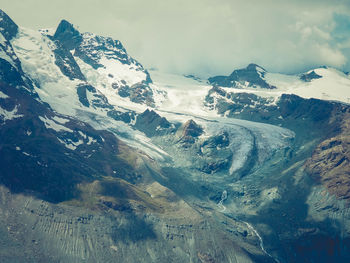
point(205, 37)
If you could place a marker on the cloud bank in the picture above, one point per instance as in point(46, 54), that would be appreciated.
point(208, 37)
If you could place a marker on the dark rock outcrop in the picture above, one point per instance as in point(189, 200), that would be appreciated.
point(307, 77)
point(188, 132)
point(191, 129)
point(67, 35)
point(126, 117)
point(152, 124)
point(8, 28)
point(67, 64)
point(141, 93)
point(253, 75)
point(67, 38)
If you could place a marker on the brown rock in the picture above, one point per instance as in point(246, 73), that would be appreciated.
point(330, 162)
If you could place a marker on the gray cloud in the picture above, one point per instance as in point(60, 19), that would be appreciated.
point(208, 37)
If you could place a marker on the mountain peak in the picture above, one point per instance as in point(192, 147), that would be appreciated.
point(191, 128)
point(255, 67)
point(68, 35)
point(65, 27)
point(8, 28)
point(251, 76)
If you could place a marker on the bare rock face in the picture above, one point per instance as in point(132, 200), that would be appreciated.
point(141, 93)
point(152, 124)
point(330, 162)
point(308, 77)
point(69, 37)
point(8, 28)
point(189, 132)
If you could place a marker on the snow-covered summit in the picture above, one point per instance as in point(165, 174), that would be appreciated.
point(95, 50)
point(105, 64)
point(76, 71)
point(321, 83)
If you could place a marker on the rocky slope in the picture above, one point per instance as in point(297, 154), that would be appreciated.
point(329, 163)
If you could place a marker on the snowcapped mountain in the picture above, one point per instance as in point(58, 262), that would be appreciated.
point(92, 68)
point(102, 160)
point(321, 83)
point(44, 151)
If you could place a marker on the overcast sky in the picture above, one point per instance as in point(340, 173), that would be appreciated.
point(207, 37)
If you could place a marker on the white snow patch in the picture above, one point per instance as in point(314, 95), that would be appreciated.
point(2, 40)
point(60, 120)
point(91, 140)
point(3, 95)
point(50, 124)
point(68, 143)
point(10, 115)
point(82, 134)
